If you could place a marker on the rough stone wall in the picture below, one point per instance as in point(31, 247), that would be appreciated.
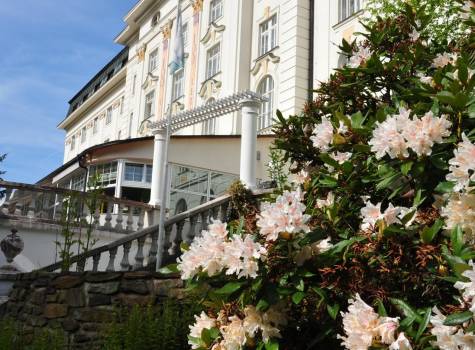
point(79, 304)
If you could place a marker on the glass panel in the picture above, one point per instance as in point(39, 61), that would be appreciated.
point(133, 172)
point(220, 183)
point(148, 175)
point(180, 200)
point(189, 179)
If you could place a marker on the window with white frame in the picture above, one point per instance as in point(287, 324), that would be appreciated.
point(73, 142)
point(153, 60)
point(149, 104)
point(209, 126)
point(216, 10)
point(109, 115)
point(178, 84)
point(107, 173)
point(184, 31)
point(134, 172)
point(78, 182)
point(213, 61)
point(266, 90)
point(347, 8)
point(268, 35)
point(83, 134)
point(148, 173)
point(94, 125)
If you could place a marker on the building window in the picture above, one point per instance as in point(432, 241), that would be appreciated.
point(134, 172)
point(268, 35)
point(178, 84)
point(94, 126)
point(148, 173)
point(266, 89)
point(153, 60)
point(78, 182)
point(107, 173)
point(109, 115)
point(83, 134)
point(209, 126)
point(184, 31)
point(213, 61)
point(149, 104)
point(73, 142)
point(216, 10)
point(347, 8)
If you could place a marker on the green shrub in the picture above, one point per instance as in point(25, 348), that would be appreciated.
point(163, 327)
point(13, 337)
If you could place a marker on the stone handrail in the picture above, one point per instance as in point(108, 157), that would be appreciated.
point(179, 228)
point(44, 204)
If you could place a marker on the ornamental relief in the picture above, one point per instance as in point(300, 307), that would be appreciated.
point(212, 32)
point(166, 29)
point(265, 65)
point(210, 88)
point(177, 107)
point(197, 5)
point(150, 81)
point(140, 52)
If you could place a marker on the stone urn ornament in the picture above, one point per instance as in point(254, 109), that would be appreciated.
point(12, 245)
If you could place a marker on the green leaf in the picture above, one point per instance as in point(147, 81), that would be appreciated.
point(206, 336)
point(446, 97)
point(272, 345)
point(456, 239)
point(445, 187)
point(229, 288)
point(424, 323)
point(297, 297)
point(428, 234)
point(407, 310)
point(381, 309)
point(172, 268)
point(214, 333)
point(458, 318)
point(333, 310)
point(262, 305)
point(357, 120)
point(406, 167)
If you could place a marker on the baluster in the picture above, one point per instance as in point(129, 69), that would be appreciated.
point(95, 262)
point(108, 219)
point(204, 219)
point(191, 232)
point(140, 220)
point(124, 264)
point(97, 216)
point(139, 256)
point(81, 264)
point(150, 217)
point(31, 206)
point(167, 245)
point(130, 219)
point(179, 237)
point(215, 212)
point(119, 219)
point(223, 211)
point(152, 254)
point(112, 254)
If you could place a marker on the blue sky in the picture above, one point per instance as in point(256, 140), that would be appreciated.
point(50, 49)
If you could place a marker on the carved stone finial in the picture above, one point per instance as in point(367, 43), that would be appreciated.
point(167, 30)
point(141, 52)
point(12, 245)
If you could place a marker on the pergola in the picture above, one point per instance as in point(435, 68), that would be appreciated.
point(247, 101)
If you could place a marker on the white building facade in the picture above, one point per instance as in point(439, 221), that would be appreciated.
point(277, 48)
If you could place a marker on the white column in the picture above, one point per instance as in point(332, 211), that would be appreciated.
point(120, 178)
point(158, 171)
point(249, 113)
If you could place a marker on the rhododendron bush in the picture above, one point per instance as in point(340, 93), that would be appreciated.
point(370, 242)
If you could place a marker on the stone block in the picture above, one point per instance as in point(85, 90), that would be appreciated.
point(75, 297)
point(70, 325)
point(99, 299)
point(51, 298)
point(134, 299)
point(135, 286)
point(67, 281)
point(55, 310)
point(133, 275)
point(94, 315)
point(37, 321)
point(102, 276)
point(103, 288)
point(38, 297)
point(162, 287)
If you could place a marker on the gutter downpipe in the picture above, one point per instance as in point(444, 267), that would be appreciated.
point(310, 49)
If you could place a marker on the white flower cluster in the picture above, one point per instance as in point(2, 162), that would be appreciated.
point(449, 337)
point(398, 133)
point(360, 56)
point(322, 136)
point(306, 252)
point(462, 166)
point(460, 211)
point(214, 252)
point(235, 331)
point(443, 59)
point(301, 177)
point(285, 215)
point(467, 8)
point(468, 288)
point(371, 214)
point(363, 326)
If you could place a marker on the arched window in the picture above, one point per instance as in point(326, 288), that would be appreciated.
point(266, 89)
point(181, 206)
point(209, 126)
